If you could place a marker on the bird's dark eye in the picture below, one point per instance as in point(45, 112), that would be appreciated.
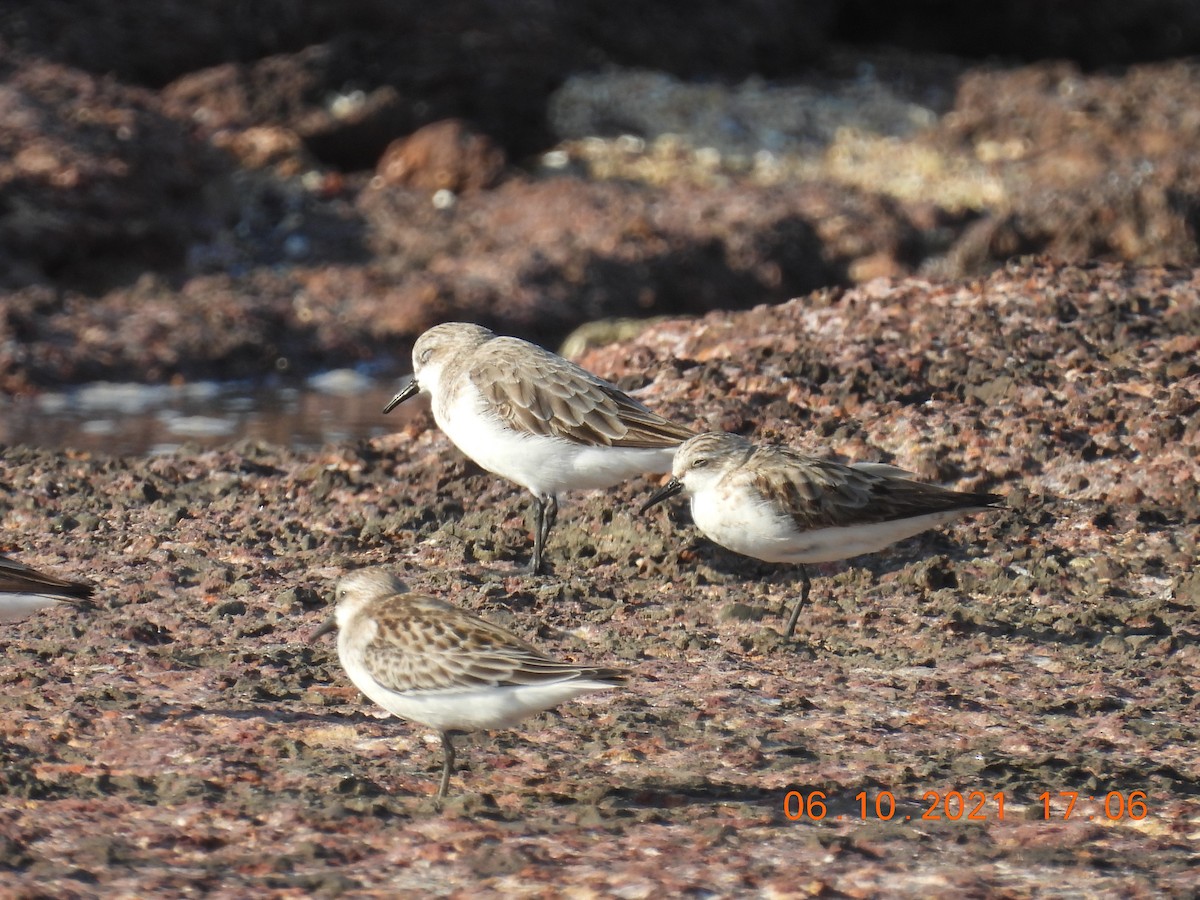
point(423, 356)
point(699, 462)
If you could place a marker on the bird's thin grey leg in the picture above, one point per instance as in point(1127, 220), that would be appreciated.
point(447, 765)
point(539, 534)
point(550, 521)
point(545, 513)
point(805, 586)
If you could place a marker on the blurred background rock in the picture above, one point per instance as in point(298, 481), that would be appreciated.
point(220, 190)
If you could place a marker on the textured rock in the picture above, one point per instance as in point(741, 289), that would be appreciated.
point(444, 156)
point(183, 737)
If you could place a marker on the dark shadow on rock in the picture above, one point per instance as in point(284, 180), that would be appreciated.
point(265, 710)
point(673, 792)
point(495, 64)
point(1104, 33)
point(108, 188)
point(784, 259)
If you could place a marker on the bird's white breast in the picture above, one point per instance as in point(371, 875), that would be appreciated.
point(541, 464)
point(740, 521)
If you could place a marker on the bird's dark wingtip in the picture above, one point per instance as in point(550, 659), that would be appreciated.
point(615, 677)
point(80, 590)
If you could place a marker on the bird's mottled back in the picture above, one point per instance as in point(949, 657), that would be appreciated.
point(538, 392)
point(819, 493)
point(414, 642)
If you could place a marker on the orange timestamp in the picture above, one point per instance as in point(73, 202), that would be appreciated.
point(955, 806)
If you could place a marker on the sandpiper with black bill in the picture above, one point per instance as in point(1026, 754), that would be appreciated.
point(537, 419)
point(427, 661)
point(775, 504)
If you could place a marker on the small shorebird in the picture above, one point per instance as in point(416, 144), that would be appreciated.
point(24, 590)
point(422, 659)
point(532, 417)
point(774, 504)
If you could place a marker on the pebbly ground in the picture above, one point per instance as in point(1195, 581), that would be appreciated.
point(183, 738)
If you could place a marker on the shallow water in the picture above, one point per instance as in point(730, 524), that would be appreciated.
point(134, 419)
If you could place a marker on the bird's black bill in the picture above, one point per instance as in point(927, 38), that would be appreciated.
point(325, 627)
point(410, 388)
point(670, 489)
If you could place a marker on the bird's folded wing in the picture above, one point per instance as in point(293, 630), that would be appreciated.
point(17, 577)
point(551, 396)
point(819, 493)
point(459, 652)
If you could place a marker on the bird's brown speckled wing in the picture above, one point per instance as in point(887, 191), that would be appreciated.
point(424, 644)
point(819, 493)
point(540, 393)
point(18, 578)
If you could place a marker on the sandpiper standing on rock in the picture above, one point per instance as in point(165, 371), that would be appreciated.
point(24, 590)
point(775, 504)
point(531, 416)
point(425, 660)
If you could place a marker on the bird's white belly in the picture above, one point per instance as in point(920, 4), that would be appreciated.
point(17, 606)
point(543, 465)
point(471, 709)
point(754, 529)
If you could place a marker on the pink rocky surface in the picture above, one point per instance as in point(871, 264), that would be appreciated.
point(182, 737)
